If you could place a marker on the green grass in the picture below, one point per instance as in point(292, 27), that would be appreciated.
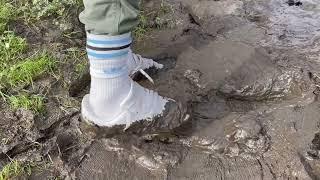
point(165, 8)
point(25, 72)
point(79, 58)
point(143, 28)
point(11, 47)
point(80, 67)
point(157, 17)
point(7, 13)
point(162, 19)
point(14, 169)
point(18, 71)
point(35, 10)
point(28, 102)
point(22, 74)
point(15, 69)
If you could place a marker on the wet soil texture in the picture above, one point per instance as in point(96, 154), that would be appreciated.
point(248, 72)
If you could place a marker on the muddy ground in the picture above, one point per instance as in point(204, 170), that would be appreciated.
point(248, 71)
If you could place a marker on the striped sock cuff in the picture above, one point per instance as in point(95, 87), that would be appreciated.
point(109, 69)
point(106, 47)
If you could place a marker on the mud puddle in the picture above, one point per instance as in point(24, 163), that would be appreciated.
point(248, 72)
point(253, 117)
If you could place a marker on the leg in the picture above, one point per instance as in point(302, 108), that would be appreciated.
point(113, 17)
point(114, 98)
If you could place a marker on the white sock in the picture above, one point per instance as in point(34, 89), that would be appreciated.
point(110, 82)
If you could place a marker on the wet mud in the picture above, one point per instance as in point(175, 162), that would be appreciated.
point(248, 72)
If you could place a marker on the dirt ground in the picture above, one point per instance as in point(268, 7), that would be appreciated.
point(248, 72)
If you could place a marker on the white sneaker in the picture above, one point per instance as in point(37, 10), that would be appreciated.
point(115, 99)
point(142, 111)
point(140, 104)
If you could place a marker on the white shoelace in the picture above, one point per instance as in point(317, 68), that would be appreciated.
point(138, 59)
point(139, 62)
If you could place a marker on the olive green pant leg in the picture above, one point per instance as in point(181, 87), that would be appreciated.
point(112, 17)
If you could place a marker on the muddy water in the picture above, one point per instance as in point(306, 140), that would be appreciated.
point(250, 85)
point(250, 91)
point(296, 26)
point(248, 73)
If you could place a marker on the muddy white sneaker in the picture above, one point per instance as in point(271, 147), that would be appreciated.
point(142, 110)
point(140, 103)
point(137, 63)
point(114, 98)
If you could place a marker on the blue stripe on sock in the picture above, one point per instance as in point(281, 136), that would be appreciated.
point(110, 42)
point(107, 56)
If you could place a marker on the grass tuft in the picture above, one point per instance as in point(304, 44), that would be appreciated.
point(79, 58)
point(17, 69)
point(13, 170)
point(157, 18)
point(35, 10)
point(141, 30)
point(19, 72)
point(24, 73)
point(7, 13)
point(28, 102)
point(11, 47)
